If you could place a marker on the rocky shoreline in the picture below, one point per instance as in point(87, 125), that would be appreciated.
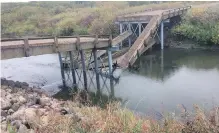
point(25, 109)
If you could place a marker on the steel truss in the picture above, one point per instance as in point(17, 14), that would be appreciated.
point(85, 70)
point(136, 29)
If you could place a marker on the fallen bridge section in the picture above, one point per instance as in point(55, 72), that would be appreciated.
point(139, 45)
point(146, 38)
point(115, 42)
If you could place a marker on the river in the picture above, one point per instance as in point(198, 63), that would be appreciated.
point(160, 81)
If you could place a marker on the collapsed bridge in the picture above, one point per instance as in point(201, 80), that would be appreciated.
point(91, 59)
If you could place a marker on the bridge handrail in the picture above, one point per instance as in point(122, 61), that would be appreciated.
point(52, 37)
point(175, 10)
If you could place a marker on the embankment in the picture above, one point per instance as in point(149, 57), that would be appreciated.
point(28, 110)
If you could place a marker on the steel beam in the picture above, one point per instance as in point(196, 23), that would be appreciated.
point(73, 70)
point(96, 63)
point(110, 62)
point(139, 29)
point(84, 69)
point(120, 29)
point(129, 28)
point(161, 35)
point(62, 69)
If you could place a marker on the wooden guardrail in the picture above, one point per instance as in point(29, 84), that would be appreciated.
point(174, 12)
point(12, 48)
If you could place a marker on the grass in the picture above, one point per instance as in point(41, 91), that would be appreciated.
point(112, 118)
point(91, 118)
point(41, 19)
point(115, 119)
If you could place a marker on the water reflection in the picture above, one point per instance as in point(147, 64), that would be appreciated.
point(160, 81)
point(164, 79)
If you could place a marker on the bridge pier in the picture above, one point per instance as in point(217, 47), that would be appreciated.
point(121, 30)
point(84, 69)
point(110, 62)
point(139, 29)
point(73, 70)
point(89, 72)
point(129, 28)
point(96, 63)
point(161, 35)
point(62, 69)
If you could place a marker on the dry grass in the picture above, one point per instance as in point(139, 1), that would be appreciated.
point(114, 119)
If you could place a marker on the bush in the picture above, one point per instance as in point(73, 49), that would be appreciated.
point(200, 24)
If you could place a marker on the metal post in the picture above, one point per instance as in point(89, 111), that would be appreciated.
point(84, 69)
point(62, 70)
point(73, 69)
point(139, 29)
point(120, 28)
point(109, 52)
point(161, 34)
point(162, 63)
point(129, 28)
point(96, 63)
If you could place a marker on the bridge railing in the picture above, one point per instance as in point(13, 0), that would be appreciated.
point(174, 12)
point(52, 37)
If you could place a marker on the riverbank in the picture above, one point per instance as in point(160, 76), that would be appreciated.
point(189, 44)
point(25, 110)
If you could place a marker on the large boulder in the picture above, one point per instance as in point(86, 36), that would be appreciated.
point(18, 115)
point(3, 127)
point(22, 100)
point(3, 113)
point(45, 101)
point(24, 85)
point(5, 104)
point(15, 106)
point(3, 81)
point(3, 93)
point(27, 115)
point(17, 84)
point(23, 129)
point(11, 83)
point(31, 117)
point(16, 124)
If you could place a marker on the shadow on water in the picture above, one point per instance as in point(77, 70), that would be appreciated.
point(87, 98)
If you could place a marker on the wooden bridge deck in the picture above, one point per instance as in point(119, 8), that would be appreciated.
point(14, 48)
point(147, 15)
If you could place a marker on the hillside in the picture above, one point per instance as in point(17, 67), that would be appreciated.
point(69, 18)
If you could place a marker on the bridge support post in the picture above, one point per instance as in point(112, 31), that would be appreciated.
point(96, 63)
point(161, 35)
point(139, 29)
point(120, 29)
point(62, 69)
point(129, 28)
point(73, 70)
point(110, 62)
point(162, 63)
point(84, 69)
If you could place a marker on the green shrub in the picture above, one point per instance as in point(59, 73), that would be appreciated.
point(200, 24)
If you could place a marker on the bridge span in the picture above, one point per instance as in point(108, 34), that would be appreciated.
point(100, 54)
